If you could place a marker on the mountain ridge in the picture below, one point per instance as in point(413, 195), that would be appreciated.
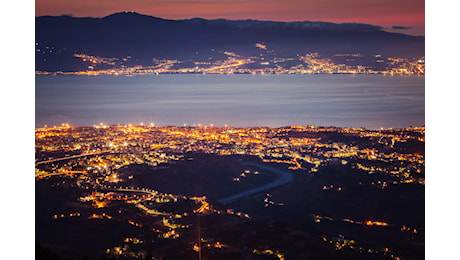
point(145, 37)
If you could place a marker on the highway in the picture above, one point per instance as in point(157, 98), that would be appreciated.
point(131, 189)
point(68, 173)
point(69, 157)
point(238, 63)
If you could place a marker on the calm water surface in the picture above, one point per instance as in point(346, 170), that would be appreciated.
point(370, 101)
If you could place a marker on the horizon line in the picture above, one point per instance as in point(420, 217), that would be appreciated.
point(397, 29)
point(153, 125)
point(213, 19)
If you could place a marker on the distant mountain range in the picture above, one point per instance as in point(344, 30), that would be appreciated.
point(141, 38)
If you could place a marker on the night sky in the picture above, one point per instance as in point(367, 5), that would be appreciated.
point(406, 16)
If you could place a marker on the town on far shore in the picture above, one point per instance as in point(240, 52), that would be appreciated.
point(266, 63)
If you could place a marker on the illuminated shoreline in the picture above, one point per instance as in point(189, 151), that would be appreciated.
point(212, 126)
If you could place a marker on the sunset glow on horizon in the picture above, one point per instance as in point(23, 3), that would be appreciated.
point(386, 13)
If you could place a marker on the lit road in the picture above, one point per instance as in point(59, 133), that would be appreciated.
point(238, 63)
point(69, 157)
point(68, 173)
point(140, 205)
point(286, 177)
point(143, 190)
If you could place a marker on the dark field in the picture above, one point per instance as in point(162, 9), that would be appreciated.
point(199, 175)
point(288, 224)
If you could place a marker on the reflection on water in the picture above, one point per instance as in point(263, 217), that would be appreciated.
point(370, 101)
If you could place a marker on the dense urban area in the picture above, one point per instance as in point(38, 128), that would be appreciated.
point(206, 192)
point(232, 63)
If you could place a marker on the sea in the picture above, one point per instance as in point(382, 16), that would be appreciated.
point(240, 100)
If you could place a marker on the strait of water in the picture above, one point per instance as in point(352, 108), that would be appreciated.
point(370, 101)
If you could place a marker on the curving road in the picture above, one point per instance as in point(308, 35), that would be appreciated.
point(286, 177)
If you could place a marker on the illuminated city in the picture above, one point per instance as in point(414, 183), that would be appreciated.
point(204, 130)
point(129, 174)
point(311, 63)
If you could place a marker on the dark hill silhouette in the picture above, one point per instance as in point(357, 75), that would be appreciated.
point(145, 37)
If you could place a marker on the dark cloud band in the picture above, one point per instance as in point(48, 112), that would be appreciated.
point(398, 27)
